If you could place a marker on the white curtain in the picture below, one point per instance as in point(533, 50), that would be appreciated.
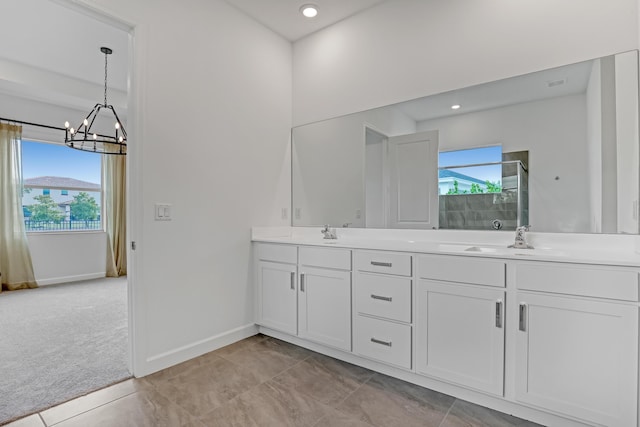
point(115, 184)
point(16, 268)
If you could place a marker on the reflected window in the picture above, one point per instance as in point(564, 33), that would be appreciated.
point(471, 171)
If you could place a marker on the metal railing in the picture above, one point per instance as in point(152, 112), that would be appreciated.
point(68, 225)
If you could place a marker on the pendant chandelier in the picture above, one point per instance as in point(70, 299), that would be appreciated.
point(86, 139)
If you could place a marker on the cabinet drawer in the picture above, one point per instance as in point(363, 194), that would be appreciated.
point(383, 262)
point(462, 269)
point(339, 259)
point(277, 253)
point(383, 296)
point(384, 341)
point(591, 281)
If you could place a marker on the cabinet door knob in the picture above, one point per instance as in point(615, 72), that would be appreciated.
point(499, 313)
point(293, 280)
point(522, 316)
point(301, 282)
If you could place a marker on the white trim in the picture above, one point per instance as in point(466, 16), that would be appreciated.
point(68, 279)
point(96, 13)
point(181, 354)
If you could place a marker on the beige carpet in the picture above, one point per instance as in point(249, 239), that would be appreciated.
point(59, 342)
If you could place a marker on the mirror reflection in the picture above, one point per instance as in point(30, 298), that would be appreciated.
point(557, 149)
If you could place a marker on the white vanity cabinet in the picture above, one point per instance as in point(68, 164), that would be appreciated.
point(577, 341)
point(305, 291)
point(551, 341)
point(460, 321)
point(383, 306)
point(277, 283)
point(324, 297)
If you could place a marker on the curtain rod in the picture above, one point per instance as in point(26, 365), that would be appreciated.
point(32, 124)
point(22, 122)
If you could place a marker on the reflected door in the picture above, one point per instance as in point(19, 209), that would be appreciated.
point(413, 169)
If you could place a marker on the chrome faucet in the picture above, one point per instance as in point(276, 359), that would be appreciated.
point(329, 233)
point(521, 238)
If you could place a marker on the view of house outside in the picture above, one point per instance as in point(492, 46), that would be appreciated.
point(458, 178)
point(62, 188)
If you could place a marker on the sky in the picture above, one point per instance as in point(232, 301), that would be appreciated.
point(40, 159)
point(473, 156)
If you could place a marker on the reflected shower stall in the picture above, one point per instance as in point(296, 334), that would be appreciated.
point(468, 203)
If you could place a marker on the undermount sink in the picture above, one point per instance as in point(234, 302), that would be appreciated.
point(504, 250)
point(453, 247)
point(480, 249)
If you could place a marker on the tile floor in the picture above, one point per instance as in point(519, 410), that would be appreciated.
point(262, 381)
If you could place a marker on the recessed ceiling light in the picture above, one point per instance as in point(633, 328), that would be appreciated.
point(309, 10)
point(455, 106)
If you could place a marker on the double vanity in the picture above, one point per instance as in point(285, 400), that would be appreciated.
point(547, 334)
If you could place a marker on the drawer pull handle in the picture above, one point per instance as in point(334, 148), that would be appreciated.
point(301, 282)
point(381, 297)
point(499, 313)
point(523, 315)
point(293, 280)
point(381, 264)
point(387, 343)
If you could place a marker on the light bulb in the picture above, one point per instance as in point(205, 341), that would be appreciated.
point(117, 125)
point(455, 107)
point(95, 136)
point(72, 131)
point(85, 122)
point(66, 125)
point(309, 10)
point(121, 139)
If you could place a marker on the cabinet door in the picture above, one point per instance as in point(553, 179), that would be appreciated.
point(324, 307)
point(460, 334)
point(578, 357)
point(277, 296)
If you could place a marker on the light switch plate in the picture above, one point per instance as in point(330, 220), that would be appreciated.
point(162, 212)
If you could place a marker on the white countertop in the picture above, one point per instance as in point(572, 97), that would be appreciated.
point(619, 250)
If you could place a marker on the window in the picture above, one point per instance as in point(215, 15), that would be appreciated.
point(75, 204)
point(456, 176)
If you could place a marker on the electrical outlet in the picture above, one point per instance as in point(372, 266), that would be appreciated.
point(298, 213)
point(284, 214)
point(358, 213)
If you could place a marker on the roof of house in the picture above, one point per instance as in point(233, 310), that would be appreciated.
point(446, 173)
point(60, 182)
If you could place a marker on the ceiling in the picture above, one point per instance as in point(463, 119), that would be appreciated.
point(284, 17)
point(561, 81)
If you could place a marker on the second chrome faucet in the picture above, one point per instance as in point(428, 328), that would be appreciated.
point(521, 238)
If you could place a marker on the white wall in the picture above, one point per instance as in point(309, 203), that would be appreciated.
point(422, 47)
point(554, 133)
point(209, 134)
point(68, 257)
point(628, 155)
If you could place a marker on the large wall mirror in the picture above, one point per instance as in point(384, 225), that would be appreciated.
point(558, 149)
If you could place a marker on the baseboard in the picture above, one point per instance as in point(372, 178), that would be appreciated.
point(184, 353)
point(67, 279)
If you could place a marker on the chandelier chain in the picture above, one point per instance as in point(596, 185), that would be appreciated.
point(105, 79)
